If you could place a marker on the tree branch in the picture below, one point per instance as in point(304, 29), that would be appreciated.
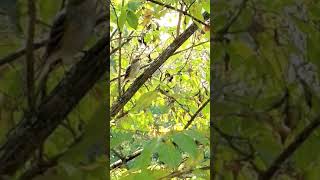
point(32, 131)
point(30, 56)
point(41, 167)
point(128, 158)
point(288, 152)
point(121, 102)
point(175, 100)
point(193, 46)
point(181, 11)
point(187, 171)
point(196, 114)
point(19, 53)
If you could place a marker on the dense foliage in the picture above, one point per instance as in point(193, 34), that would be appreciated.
point(163, 131)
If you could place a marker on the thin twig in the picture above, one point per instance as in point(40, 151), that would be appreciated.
point(175, 100)
point(179, 19)
point(230, 22)
point(39, 168)
point(119, 72)
point(193, 46)
point(178, 10)
point(196, 114)
point(37, 45)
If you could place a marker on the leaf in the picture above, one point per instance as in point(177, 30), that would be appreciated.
point(269, 101)
point(198, 136)
point(92, 144)
point(313, 172)
point(11, 82)
point(171, 159)
point(268, 148)
point(145, 174)
point(122, 18)
point(201, 174)
point(196, 12)
point(241, 48)
point(308, 152)
point(186, 143)
point(132, 19)
point(134, 5)
point(98, 173)
point(48, 10)
point(145, 158)
point(162, 109)
point(145, 100)
point(69, 168)
point(119, 137)
point(206, 5)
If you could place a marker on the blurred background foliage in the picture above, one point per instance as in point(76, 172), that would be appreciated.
point(267, 81)
point(76, 149)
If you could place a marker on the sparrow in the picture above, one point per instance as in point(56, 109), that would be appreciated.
point(132, 70)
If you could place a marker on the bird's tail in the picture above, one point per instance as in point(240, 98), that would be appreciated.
point(43, 65)
point(45, 68)
point(44, 71)
point(124, 83)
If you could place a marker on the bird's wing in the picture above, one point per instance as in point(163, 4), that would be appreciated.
point(127, 72)
point(56, 33)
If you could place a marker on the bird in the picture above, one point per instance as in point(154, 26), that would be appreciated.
point(71, 29)
point(132, 70)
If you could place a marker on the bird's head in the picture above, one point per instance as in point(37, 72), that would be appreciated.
point(135, 60)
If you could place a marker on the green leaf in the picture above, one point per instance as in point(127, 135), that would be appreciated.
point(206, 5)
point(186, 143)
point(196, 12)
point(313, 172)
point(169, 154)
point(145, 100)
point(69, 168)
point(159, 109)
point(145, 158)
point(122, 18)
point(201, 174)
point(198, 136)
point(308, 152)
point(11, 82)
point(268, 148)
point(48, 10)
point(119, 137)
point(146, 174)
point(92, 144)
point(241, 49)
point(132, 19)
point(134, 5)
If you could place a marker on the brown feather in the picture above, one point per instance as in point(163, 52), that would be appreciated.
point(56, 34)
